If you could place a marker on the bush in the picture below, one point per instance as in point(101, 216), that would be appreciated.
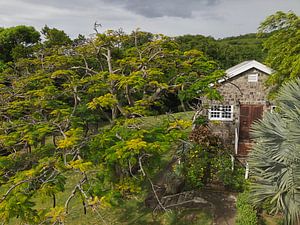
point(233, 180)
point(209, 161)
point(246, 214)
point(204, 166)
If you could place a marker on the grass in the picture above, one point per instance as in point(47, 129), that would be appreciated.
point(155, 120)
point(131, 211)
point(272, 220)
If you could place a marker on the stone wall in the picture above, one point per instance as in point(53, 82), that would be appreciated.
point(238, 91)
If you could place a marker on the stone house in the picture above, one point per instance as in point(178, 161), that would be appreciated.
point(244, 101)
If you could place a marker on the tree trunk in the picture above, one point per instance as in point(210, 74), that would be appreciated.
point(54, 140)
point(114, 110)
point(43, 141)
point(182, 106)
point(84, 207)
point(128, 96)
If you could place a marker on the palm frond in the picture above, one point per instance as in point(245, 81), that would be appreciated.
point(275, 159)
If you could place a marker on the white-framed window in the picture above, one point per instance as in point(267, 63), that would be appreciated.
point(253, 77)
point(221, 112)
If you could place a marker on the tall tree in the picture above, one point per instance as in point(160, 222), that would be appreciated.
point(55, 106)
point(15, 42)
point(56, 37)
point(283, 46)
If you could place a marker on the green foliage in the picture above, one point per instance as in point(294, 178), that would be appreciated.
point(282, 46)
point(121, 151)
point(228, 51)
point(183, 217)
point(274, 160)
point(201, 120)
point(15, 42)
point(55, 37)
point(246, 214)
point(70, 107)
point(208, 161)
point(203, 167)
point(233, 179)
point(105, 101)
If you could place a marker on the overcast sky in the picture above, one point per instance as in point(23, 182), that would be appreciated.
point(217, 18)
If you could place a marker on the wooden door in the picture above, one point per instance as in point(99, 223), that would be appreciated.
point(248, 114)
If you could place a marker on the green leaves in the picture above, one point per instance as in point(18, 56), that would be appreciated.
point(81, 165)
point(275, 158)
point(71, 139)
point(283, 46)
point(105, 101)
point(124, 150)
point(246, 214)
point(68, 109)
point(15, 42)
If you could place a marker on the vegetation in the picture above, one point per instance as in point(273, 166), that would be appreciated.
point(228, 51)
point(72, 107)
point(282, 46)
point(275, 157)
point(246, 214)
point(207, 161)
point(87, 124)
point(16, 42)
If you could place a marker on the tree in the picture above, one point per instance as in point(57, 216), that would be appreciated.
point(54, 37)
point(283, 46)
point(41, 134)
point(54, 114)
point(275, 158)
point(227, 51)
point(15, 42)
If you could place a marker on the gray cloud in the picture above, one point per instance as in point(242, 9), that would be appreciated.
point(218, 18)
point(161, 8)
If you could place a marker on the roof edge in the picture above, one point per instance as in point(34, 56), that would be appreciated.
point(244, 66)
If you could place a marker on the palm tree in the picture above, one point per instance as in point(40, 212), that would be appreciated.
point(275, 159)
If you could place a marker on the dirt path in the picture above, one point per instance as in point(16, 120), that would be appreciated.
point(225, 211)
point(221, 204)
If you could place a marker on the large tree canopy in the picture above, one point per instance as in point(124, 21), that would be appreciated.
point(227, 51)
point(68, 109)
point(54, 36)
point(15, 40)
point(283, 46)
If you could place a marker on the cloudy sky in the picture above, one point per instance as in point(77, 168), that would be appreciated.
point(217, 18)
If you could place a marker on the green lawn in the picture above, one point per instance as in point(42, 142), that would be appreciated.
point(131, 211)
point(153, 120)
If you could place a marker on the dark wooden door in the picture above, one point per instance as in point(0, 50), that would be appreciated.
point(248, 114)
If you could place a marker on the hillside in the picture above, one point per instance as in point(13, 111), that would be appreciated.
point(227, 51)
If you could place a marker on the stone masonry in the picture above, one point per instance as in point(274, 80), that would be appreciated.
point(238, 91)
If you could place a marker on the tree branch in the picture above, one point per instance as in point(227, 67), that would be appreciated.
point(152, 186)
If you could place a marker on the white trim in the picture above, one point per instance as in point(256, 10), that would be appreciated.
point(232, 162)
point(243, 67)
point(247, 171)
point(253, 77)
point(236, 140)
point(220, 113)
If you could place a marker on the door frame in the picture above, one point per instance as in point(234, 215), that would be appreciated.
point(255, 111)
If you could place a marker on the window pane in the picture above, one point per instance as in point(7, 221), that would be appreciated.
point(221, 112)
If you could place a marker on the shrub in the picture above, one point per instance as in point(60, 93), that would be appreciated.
point(246, 214)
point(233, 180)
